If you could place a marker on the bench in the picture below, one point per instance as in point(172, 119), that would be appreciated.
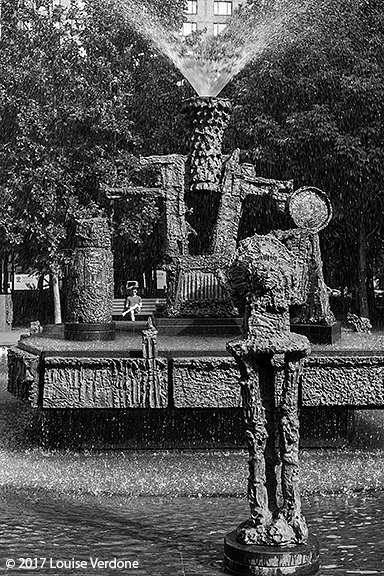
point(147, 309)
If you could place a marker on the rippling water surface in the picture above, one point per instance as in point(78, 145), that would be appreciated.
point(70, 508)
point(167, 536)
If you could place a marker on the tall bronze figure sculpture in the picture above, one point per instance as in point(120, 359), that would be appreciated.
point(274, 540)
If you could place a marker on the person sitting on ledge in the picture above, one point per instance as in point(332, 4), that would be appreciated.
point(133, 303)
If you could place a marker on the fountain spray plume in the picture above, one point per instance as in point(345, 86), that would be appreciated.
point(213, 61)
point(209, 63)
point(144, 19)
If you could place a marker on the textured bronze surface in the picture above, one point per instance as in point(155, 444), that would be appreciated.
point(103, 383)
point(310, 208)
point(333, 375)
point(301, 560)
point(270, 360)
point(87, 332)
point(205, 382)
point(310, 300)
point(198, 287)
point(23, 376)
point(196, 278)
point(90, 274)
point(208, 119)
point(347, 380)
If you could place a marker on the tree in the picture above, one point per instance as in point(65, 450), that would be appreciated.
point(69, 121)
point(311, 109)
point(38, 79)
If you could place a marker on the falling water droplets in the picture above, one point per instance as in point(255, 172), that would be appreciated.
point(209, 63)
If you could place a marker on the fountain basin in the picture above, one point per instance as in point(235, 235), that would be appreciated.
point(190, 372)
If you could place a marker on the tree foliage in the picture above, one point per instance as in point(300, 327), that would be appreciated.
point(82, 94)
point(72, 121)
point(312, 110)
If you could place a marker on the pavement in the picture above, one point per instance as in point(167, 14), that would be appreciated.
point(12, 337)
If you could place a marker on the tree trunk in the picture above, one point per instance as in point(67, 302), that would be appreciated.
point(371, 290)
point(40, 301)
point(56, 299)
point(4, 287)
point(362, 270)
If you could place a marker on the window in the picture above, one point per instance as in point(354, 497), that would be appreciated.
point(217, 28)
point(188, 28)
point(192, 7)
point(221, 8)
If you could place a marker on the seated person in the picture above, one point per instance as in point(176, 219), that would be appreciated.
point(133, 303)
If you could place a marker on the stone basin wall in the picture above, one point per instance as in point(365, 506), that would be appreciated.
point(53, 380)
point(109, 398)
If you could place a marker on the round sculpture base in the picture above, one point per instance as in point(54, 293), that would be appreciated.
point(256, 560)
point(87, 331)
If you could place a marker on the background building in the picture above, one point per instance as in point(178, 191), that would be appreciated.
point(212, 15)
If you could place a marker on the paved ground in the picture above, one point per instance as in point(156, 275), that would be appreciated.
point(11, 338)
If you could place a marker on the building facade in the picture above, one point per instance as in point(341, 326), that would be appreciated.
point(209, 15)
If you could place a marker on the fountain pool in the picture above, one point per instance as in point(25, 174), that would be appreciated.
point(173, 537)
point(158, 509)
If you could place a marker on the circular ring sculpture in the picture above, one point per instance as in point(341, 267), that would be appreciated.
point(310, 208)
